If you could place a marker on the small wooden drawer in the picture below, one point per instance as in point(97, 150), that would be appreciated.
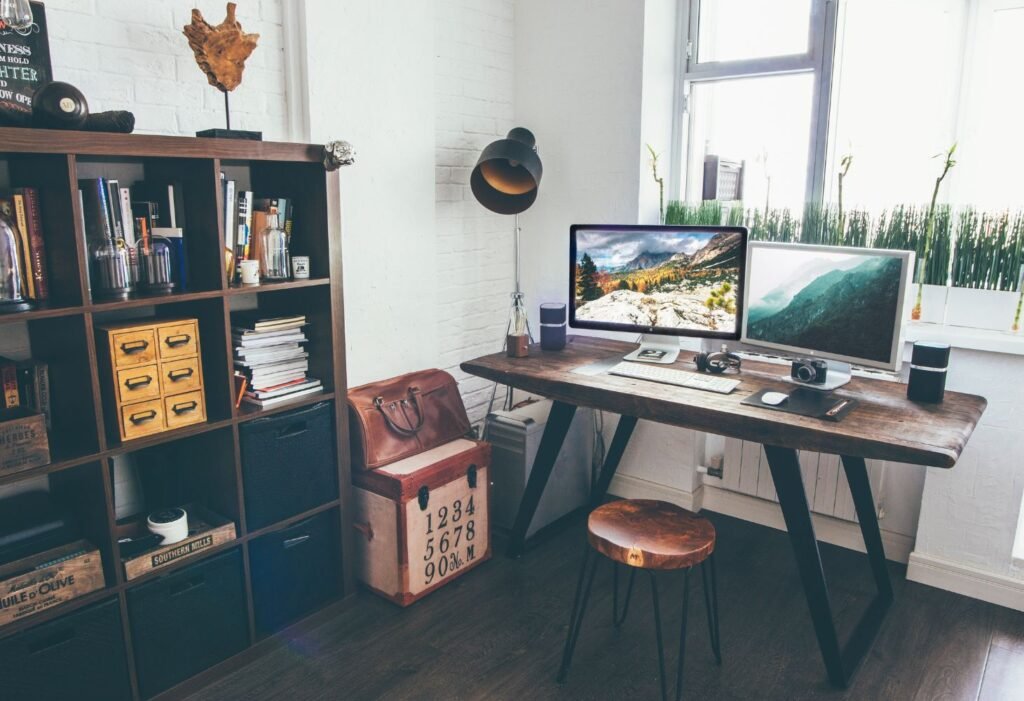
point(177, 340)
point(138, 383)
point(184, 409)
point(135, 347)
point(142, 419)
point(178, 376)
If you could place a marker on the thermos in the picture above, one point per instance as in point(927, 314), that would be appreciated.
point(928, 367)
point(552, 326)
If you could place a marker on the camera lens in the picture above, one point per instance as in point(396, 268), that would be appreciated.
point(805, 373)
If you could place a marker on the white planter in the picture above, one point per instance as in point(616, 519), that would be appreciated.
point(981, 309)
point(933, 303)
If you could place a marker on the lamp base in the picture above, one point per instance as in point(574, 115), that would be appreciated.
point(230, 134)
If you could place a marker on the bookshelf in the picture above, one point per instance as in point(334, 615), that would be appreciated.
point(84, 441)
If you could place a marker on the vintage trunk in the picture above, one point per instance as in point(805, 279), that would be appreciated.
point(424, 520)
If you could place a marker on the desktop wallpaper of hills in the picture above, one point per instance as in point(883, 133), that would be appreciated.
point(669, 279)
point(842, 303)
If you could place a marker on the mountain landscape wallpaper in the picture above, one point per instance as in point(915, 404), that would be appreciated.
point(670, 279)
point(841, 303)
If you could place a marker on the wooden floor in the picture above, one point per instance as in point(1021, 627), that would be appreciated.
point(498, 634)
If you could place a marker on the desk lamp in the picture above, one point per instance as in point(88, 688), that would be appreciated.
point(505, 181)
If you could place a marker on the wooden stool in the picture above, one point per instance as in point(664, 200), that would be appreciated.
point(648, 535)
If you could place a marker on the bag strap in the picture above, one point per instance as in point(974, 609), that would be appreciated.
point(411, 429)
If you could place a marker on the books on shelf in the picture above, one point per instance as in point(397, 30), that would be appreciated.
point(21, 205)
point(26, 388)
point(272, 359)
point(245, 216)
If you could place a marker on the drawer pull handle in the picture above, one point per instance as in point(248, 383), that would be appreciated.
point(179, 588)
point(179, 375)
point(180, 339)
point(143, 416)
point(297, 540)
point(133, 347)
point(138, 382)
point(185, 407)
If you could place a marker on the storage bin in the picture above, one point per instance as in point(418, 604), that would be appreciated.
point(187, 620)
point(288, 464)
point(294, 570)
point(80, 655)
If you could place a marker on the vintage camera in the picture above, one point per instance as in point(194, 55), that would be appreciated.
point(809, 371)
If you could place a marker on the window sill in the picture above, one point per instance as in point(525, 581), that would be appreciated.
point(966, 338)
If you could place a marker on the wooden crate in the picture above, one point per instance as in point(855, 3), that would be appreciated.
point(39, 582)
point(152, 375)
point(423, 521)
point(23, 444)
point(206, 530)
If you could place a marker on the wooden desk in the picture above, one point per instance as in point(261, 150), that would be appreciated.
point(885, 425)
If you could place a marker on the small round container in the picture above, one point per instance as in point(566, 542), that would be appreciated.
point(172, 524)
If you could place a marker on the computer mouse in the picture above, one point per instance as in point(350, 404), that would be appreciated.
point(773, 398)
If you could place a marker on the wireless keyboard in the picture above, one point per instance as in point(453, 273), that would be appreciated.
point(680, 378)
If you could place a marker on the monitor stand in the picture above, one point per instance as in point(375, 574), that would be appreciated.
point(839, 374)
point(656, 349)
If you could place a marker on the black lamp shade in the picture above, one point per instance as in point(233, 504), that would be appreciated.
point(507, 174)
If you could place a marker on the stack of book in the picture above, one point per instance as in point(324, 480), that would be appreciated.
point(270, 355)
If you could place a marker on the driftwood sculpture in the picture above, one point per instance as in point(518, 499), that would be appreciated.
point(220, 50)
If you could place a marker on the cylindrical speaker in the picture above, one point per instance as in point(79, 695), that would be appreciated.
point(928, 367)
point(552, 326)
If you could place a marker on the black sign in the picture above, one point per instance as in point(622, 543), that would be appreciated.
point(24, 67)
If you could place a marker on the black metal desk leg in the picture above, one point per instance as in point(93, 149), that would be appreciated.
point(840, 663)
point(611, 461)
point(559, 419)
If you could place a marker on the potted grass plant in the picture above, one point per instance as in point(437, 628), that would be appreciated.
point(926, 262)
point(986, 270)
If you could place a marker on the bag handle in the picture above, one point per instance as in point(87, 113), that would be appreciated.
point(407, 431)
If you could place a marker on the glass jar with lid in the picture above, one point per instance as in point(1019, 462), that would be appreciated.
point(275, 263)
point(13, 297)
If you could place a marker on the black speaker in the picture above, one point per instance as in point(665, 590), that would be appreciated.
point(80, 655)
point(187, 621)
point(552, 326)
point(928, 367)
point(295, 570)
point(288, 464)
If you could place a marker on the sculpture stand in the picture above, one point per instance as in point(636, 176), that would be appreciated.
point(230, 133)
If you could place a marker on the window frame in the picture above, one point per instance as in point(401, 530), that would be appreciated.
point(818, 60)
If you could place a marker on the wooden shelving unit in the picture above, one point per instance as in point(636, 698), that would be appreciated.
point(84, 442)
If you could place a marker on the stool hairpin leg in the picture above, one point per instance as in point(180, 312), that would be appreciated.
point(579, 607)
point(616, 619)
point(657, 629)
point(682, 634)
point(711, 604)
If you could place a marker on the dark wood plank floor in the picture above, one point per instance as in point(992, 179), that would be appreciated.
point(498, 634)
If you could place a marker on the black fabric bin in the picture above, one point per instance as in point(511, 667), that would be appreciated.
point(294, 570)
point(288, 464)
point(188, 620)
point(80, 655)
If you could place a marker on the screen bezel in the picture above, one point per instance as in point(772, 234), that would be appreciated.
point(895, 350)
point(659, 330)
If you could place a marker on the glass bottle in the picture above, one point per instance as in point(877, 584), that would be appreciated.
point(12, 276)
point(154, 259)
point(274, 258)
point(112, 277)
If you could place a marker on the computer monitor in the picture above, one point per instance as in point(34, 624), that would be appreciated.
point(660, 281)
point(831, 302)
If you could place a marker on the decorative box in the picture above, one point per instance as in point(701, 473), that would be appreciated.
point(423, 521)
point(206, 530)
point(152, 375)
point(23, 443)
point(42, 581)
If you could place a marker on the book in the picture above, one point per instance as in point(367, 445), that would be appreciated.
point(34, 388)
point(37, 248)
point(230, 226)
point(95, 210)
point(286, 388)
point(11, 397)
point(254, 343)
point(248, 321)
point(125, 198)
point(244, 225)
point(167, 196)
point(114, 203)
point(28, 279)
point(283, 399)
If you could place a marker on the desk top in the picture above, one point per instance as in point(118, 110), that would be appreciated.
point(885, 425)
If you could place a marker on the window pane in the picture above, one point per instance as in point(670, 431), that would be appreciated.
point(897, 76)
point(763, 122)
point(731, 30)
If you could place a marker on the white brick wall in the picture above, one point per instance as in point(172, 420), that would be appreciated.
point(474, 90)
point(127, 54)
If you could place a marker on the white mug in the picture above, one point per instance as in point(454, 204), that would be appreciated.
point(250, 272)
point(300, 267)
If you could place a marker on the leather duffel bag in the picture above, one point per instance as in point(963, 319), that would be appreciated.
point(403, 416)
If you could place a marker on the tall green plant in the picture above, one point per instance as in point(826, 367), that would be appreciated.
point(929, 228)
point(660, 180)
point(844, 168)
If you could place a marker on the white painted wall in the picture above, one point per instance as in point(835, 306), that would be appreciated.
point(130, 55)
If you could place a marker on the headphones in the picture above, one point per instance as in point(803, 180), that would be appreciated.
point(718, 362)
